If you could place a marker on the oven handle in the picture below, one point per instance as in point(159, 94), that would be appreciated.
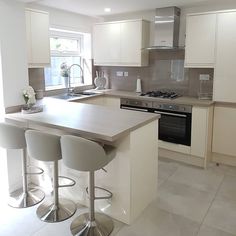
point(170, 114)
point(134, 109)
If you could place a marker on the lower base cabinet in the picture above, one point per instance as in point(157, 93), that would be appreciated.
point(112, 102)
point(224, 134)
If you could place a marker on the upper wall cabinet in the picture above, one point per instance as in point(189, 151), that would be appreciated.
point(121, 43)
point(225, 68)
point(200, 40)
point(37, 31)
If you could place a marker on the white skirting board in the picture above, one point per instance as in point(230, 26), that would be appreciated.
point(186, 158)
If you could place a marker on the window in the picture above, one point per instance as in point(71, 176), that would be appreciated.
point(68, 47)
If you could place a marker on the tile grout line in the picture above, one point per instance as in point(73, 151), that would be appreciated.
point(168, 177)
point(210, 205)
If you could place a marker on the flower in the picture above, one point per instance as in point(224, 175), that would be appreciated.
point(64, 70)
point(29, 95)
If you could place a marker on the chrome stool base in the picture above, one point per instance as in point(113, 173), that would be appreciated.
point(19, 199)
point(49, 213)
point(102, 226)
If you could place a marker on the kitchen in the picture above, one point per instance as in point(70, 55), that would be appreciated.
point(223, 146)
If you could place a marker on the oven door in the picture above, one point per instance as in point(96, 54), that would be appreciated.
point(175, 127)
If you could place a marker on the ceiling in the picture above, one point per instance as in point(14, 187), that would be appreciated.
point(96, 7)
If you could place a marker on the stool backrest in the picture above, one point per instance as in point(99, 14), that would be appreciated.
point(12, 137)
point(43, 146)
point(82, 154)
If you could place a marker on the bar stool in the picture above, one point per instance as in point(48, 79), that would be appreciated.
point(46, 147)
point(13, 137)
point(85, 155)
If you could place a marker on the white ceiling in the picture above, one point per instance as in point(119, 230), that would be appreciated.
point(96, 7)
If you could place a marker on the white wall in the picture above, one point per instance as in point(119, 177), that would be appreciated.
point(14, 76)
point(67, 20)
point(149, 15)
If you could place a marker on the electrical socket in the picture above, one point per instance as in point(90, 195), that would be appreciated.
point(204, 77)
point(119, 73)
point(126, 73)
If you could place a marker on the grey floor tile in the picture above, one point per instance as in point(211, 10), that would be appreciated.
point(155, 221)
point(227, 189)
point(184, 200)
point(222, 215)
point(209, 231)
point(225, 169)
point(166, 169)
point(205, 180)
point(22, 222)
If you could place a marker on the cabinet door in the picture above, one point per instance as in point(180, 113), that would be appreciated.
point(199, 131)
point(92, 100)
point(224, 130)
point(200, 40)
point(37, 29)
point(106, 44)
point(225, 69)
point(131, 32)
point(112, 102)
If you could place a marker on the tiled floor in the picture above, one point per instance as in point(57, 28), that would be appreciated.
point(191, 202)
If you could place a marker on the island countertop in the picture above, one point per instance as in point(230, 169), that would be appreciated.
point(91, 121)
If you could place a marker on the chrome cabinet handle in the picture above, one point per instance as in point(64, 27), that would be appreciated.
point(134, 109)
point(169, 114)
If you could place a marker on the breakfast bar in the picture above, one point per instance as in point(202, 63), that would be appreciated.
point(131, 176)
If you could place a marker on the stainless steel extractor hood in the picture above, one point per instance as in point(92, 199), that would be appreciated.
point(166, 33)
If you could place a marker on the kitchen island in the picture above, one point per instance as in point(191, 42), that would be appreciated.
point(131, 176)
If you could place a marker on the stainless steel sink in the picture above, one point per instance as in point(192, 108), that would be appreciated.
point(85, 93)
point(73, 96)
point(68, 96)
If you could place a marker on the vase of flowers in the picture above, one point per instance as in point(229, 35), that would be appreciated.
point(65, 74)
point(29, 97)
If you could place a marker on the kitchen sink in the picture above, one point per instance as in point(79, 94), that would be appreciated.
point(67, 96)
point(73, 96)
point(84, 93)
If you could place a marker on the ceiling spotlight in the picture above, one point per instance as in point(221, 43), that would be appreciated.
point(107, 9)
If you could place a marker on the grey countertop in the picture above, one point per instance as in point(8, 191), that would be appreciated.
point(181, 100)
point(193, 101)
point(91, 121)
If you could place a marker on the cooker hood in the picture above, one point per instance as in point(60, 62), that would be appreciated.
point(166, 32)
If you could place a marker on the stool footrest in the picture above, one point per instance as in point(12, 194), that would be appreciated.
point(110, 194)
point(70, 184)
point(40, 170)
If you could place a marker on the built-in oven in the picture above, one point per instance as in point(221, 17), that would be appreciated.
point(175, 121)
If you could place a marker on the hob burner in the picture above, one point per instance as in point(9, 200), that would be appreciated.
point(161, 94)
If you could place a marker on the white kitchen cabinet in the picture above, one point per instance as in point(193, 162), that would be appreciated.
point(107, 101)
point(99, 100)
point(225, 73)
point(112, 102)
point(200, 40)
point(224, 130)
point(106, 43)
point(121, 43)
point(201, 131)
point(37, 31)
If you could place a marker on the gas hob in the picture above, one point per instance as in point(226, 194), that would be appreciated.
point(161, 94)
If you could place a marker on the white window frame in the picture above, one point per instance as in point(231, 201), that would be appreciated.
point(66, 35)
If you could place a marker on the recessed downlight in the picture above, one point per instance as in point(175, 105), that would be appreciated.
point(107, 9)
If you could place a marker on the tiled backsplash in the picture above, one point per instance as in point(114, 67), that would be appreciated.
point(165, 71)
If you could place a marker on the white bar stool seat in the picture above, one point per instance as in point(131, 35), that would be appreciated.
point(46, 147)
point(85, 155)
point(13, 137)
